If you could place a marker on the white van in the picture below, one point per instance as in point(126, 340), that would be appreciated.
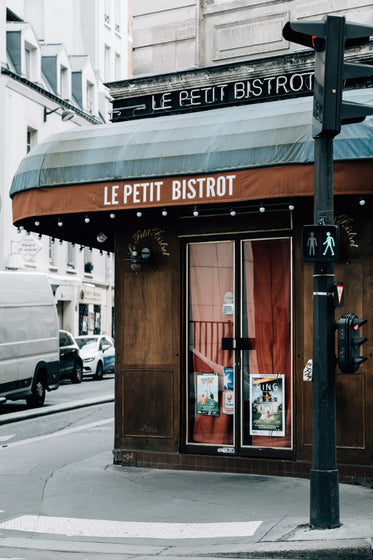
point(29, 343)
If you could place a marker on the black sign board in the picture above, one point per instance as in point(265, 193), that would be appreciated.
point(320, 243)
point(267, 88)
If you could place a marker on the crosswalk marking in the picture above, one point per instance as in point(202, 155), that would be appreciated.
point(74, 527)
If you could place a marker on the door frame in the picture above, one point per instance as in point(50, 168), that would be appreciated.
point(236, 449)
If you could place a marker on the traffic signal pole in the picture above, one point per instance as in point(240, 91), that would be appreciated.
point(328, 38)
point(324, 491)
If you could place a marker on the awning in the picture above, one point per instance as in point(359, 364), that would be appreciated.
point(247, 152)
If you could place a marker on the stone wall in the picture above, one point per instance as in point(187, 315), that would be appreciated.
point(172, 35)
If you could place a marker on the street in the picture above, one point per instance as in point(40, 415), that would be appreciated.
point(61, 495)
point(25, 475)
point(67, 393)
point(86, 389)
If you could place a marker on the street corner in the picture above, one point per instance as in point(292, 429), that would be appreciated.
point(357, 528)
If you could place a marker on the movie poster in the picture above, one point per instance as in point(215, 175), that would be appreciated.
point(267, 410)
point(208, 394)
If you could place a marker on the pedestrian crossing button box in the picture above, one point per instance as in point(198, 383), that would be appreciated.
point(320, 243)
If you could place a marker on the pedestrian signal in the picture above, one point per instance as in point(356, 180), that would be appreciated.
point(349, 342)
point(320, 243)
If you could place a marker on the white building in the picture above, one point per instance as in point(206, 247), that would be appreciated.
point(55, 57)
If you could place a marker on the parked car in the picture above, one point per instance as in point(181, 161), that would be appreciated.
point(98, 354)
point(29, 364)
point(71, 363)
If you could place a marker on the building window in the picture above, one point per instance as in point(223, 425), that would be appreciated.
point(83, 318)
point(28, 63)
point(31, 139)
point(71, 256)
point(90, 97)
point(64, 82)
point(118, 66)
point(118, 15)
point(88, 265)
point(52, 251)
point(107, 11)
point(97, 318)
point(107, 68)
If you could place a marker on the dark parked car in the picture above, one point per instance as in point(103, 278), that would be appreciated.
point(71, 364)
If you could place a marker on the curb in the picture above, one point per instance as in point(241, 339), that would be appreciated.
point(359, 549)
point(44, 411)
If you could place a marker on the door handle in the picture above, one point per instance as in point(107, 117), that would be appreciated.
point(228, 343)
point(238, 343)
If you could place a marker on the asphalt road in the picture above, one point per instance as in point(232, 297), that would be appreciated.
point(34, 451)
point(67, 393)
point(61, 497)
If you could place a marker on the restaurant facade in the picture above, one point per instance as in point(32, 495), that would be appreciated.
point(201, 186)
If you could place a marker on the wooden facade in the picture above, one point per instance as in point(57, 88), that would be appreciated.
point(151, 351)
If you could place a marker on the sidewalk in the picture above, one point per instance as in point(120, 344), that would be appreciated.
point(92, 506)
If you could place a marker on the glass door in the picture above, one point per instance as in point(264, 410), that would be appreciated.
point(211, 313)
point(266, 360)
point(239, 349)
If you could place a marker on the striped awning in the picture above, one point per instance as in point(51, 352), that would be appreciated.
point(232, 138)
point(229, 155)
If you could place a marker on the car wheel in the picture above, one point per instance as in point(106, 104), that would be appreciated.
point(38, 394)
point(99, 371)
point(77, 375)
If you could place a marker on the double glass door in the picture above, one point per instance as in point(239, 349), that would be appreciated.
point(239, 359)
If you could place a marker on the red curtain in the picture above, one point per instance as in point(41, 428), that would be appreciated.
point(211, 278)
point(267, 298)
point(272, 322)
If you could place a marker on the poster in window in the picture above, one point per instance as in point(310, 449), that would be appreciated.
point(208, 394)
point(228, 378)
point(267, 410)
point(228, 393)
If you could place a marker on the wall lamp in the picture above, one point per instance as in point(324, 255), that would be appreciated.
point(138, 259)
point(66, 115)
point(102, 237)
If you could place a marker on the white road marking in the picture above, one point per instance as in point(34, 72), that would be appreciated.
point(59, 433)
point(74, 527)
point(5, 438)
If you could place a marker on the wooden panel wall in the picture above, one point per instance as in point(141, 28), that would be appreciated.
point(147, 309)
point(354, 392)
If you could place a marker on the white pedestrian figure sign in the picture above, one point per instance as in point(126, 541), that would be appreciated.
point(320, 243)
point(329, 244)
